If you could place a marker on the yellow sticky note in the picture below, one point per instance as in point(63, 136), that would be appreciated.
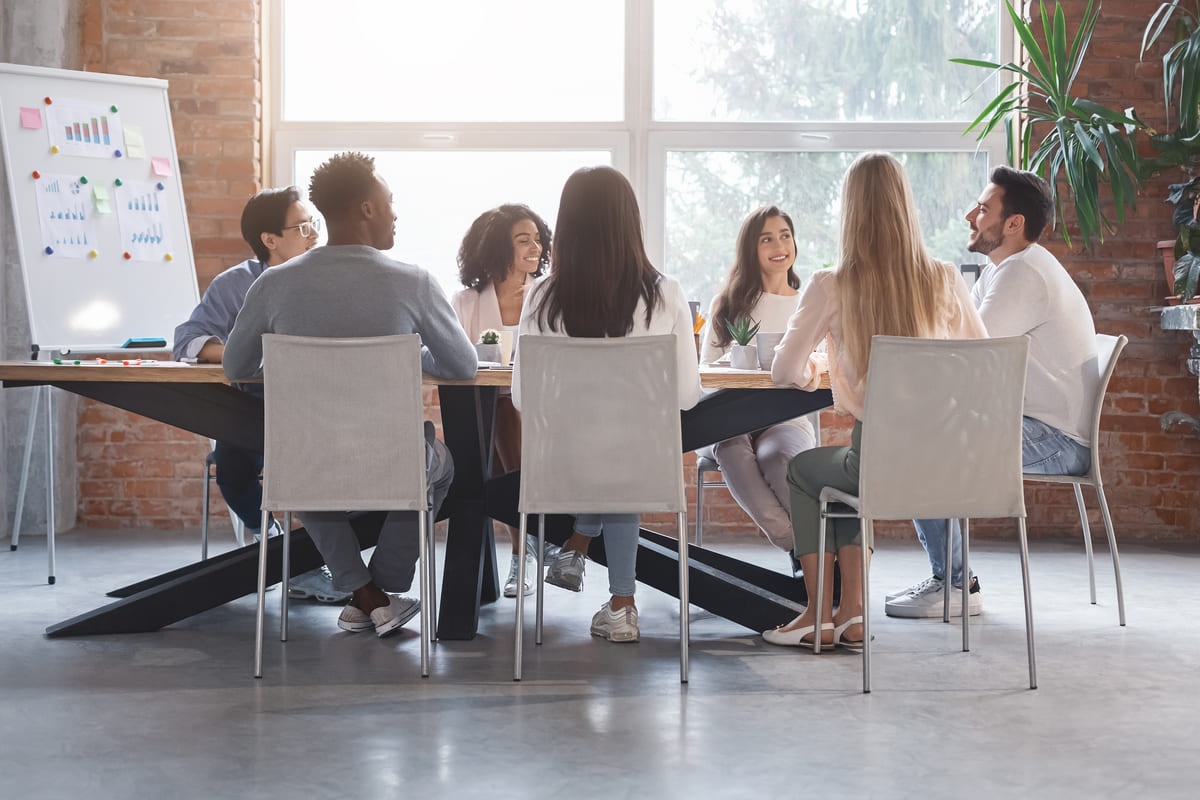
point(135, 143)
point(100, 199)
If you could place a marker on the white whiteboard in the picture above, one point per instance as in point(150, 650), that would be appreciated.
point(97, 199)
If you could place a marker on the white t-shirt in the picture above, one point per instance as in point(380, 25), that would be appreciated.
point(1031, 293)
point(771, 312)
point(673, 316)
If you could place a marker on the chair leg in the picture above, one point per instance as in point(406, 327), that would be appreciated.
point(204, 515)
point(1028, 603)
point(423, 550)
point(430, 564)
point(541, 580)
point(518, 628)
point(684, 632)
point(868, 530)
point(287, 572)
point(1112, 547)
point(948, 578)
point(699, 507)
point(262, 601)
point(1087, 539)
point(820, 595)
point(966, 585)
point(50, 524)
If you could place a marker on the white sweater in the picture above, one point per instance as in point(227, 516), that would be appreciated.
point(1030, 293)
point(673, 316)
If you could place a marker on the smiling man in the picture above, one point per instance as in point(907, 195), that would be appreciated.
point(1023, 291)
point(350, 288)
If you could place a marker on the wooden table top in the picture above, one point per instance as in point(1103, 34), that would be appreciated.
point(152, 371)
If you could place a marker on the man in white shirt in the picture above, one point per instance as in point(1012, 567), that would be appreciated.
point(1024, 290)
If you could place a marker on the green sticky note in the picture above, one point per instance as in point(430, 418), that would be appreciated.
point(135, 143)
point(100, 199)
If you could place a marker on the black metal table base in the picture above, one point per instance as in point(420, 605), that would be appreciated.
point(749, 595)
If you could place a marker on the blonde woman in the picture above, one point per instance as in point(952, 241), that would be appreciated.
point(884, 283)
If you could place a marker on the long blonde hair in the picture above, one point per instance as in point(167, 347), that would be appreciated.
point(886, 282)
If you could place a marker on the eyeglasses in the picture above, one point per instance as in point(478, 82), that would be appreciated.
point(306, 228)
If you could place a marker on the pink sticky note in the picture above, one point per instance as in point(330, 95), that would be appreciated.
point(31, 118)
point(161, 166)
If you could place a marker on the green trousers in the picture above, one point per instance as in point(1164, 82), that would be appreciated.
point(808, 473)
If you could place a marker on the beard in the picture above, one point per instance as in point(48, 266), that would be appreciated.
point(983, 244)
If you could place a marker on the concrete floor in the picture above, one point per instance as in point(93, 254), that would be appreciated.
point(176, 713)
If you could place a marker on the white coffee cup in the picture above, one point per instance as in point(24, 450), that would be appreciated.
point(766, 348)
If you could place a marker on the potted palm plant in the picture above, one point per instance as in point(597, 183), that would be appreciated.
point(1180, 147)
point(1061, 133)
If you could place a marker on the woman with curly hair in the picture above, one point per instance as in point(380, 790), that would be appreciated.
point(505, 250)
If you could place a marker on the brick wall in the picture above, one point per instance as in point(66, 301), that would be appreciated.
point(140, 473)
point(133, 472)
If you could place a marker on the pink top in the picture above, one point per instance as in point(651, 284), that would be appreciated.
point(819, 316)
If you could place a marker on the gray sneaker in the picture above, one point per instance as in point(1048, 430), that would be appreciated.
point(318, 585)
point(566, 570)
point(916, 588)
point(549, 552)
point(928, 602)
point(616, 626)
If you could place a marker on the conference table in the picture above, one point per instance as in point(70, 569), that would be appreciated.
point(198, 398)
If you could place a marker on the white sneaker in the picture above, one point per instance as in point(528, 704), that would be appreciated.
point(389, 618)
point(566, 571)
point(510, 585)
point(916, 588)
point(616, 626)
point(928, 602)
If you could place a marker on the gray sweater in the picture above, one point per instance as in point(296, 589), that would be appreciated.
point(349, 290)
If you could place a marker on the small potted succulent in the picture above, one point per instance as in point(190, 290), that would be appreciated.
point(742, 353)
point(488, 348)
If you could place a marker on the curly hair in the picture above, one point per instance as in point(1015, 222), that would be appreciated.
point(743, 286)
point(486, 253)
point(265, 213)
point(339, 183)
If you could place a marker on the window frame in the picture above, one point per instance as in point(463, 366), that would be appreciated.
point(639, 144)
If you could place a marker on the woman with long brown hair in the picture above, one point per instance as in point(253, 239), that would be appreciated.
point(763, 286)
point(602, 285)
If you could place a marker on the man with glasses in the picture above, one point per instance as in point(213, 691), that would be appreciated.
point(277, 226)
point(1023, 291)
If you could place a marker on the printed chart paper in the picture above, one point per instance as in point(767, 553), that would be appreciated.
point(65, 212)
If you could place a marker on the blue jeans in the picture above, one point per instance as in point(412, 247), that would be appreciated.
point(1044, 450)
point(620, 547)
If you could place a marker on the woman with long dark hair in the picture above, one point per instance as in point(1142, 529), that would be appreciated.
point(602, 285)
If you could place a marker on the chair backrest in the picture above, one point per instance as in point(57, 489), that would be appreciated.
point(600, 429)
point(942, 430)
point(344, 424)
point(1108, 349)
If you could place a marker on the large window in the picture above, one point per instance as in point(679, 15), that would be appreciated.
point(711, 107)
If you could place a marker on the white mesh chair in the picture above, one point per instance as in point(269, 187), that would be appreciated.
point(941, 438)
point(1108, 348)
point(344, 430)
point(600, 433)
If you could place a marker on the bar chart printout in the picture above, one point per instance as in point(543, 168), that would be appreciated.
point(67, 218)
point(87, 129)
point(142, 211)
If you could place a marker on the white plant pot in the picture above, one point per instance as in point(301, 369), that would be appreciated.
point(488, 352)
point(743, 356)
